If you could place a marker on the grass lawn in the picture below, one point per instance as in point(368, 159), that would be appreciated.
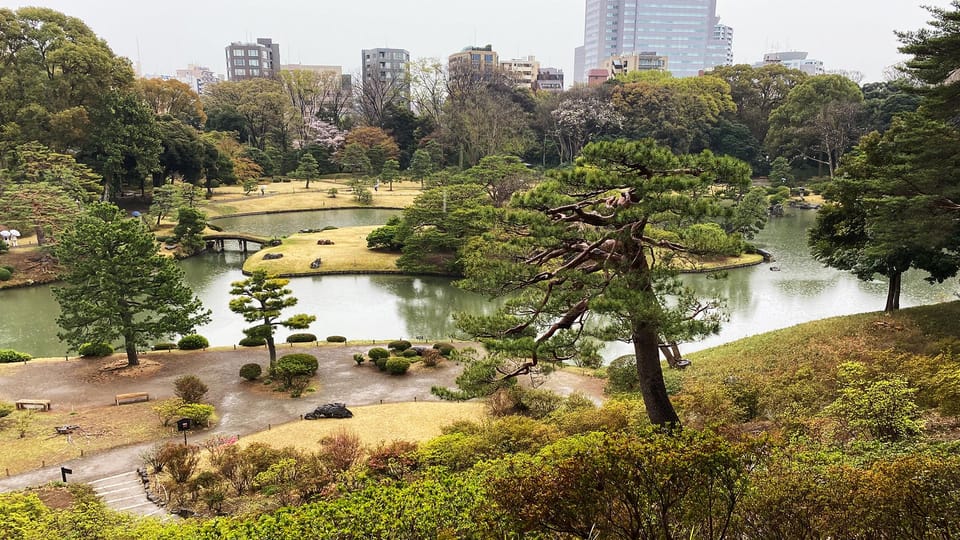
point(374, 424)
point(348, 254)
point(101, 428)
point(293, 195)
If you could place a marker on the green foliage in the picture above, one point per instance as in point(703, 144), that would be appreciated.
point(377, 353)
point(622, 377)
point(399, 345)
point(200, 414)
point(192, 342)
point(189, 388)
point(6, 408)
point(397, 365)
point(332, 192)
point(359, 358)
point(252, 341)
point(189, 230)
point(9, 356)
point(336, 339)
point(3, 249)
point(381, 363)
point(301, 338)
point(251, 371)
point(480, 377)
point(5, 274)
point(291, 366)
point(446, 349)
point(409, 353)
point(95, 349)
point(883, 408)
point(386, 236)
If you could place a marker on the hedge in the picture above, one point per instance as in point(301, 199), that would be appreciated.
point(193, 342)
point(336, 339)
point(301, 338)
point(397, 365)
point(88, 350)
point(8, 356)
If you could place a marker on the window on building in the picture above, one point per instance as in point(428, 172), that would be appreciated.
point(255, 72)
point(254, 62)
point(238, 61)
point(238, 52)
point(240, 71)
point(488, 58)
point(253, 52)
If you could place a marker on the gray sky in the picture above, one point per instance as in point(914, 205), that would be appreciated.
point(844, 34)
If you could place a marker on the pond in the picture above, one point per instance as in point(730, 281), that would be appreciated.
point(290, 222)
point(382, 307)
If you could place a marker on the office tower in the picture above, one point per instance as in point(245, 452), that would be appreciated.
point(253, 60)
point(387, 72)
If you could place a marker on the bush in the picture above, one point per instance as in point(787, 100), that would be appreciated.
point(252, 341)
point(397, 365)
point(444, 348)
point(192, 342)
point(5, 274)
point(884, 408)
point(198, 413)
point(95, 350)
point(6, 408)
point(336, 339)
point(164, 346)
point(358, 358)
point(189, 388)
point(409, 353)
point(290, 366)
point(377, 353)
point(251, 372)
point(8, 356)
point(301, 338)
point(8, 267)
point(622, 376)
point(381, 363)
point(431, 357)
point(399, 345)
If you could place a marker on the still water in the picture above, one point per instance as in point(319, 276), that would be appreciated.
point(390, 307)
point(291, 222)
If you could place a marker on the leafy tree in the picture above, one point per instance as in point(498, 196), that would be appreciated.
point(580, 120)
point(33, 162)
point(894, 209)
point(501, 176)
point(260, 299)
point(421, 166)
point(376, 143)
point(483, 119)
point(780, 171)
point(884, 408)
point(191, 223)
point(263, 110)
point(307, 169)
point(118, 286)
point(935, 61)
point(166, 199)
point(884, 100)
point(46, 207)
point(390, 172)
point(602, 239)
point(189, 388)
point(757, 92)
point(174, 98)
point(354, 159)
point(182, 152)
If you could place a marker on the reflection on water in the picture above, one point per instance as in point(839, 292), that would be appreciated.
point(290, 222)
point(388, 307)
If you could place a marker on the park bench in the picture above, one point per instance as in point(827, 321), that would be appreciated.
point(42, 404)
point(132, 397)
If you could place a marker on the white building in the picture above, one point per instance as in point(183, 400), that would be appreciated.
point(793, 60)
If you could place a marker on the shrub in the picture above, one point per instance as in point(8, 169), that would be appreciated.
point(538, 403)
point(251, 372)
point(8, 356)
point(95, 350)
point(164, 346)
point(189, 388)
point(397, 365)
point(336, 339)
point(884, 408)
point(301, 338)
point(409, 353)
point(399, 345)
point(198, 413)
point(444, 348)
point(332, 192)
point(5, 274)
point(252, 341)
point(380, 362)
point(6, 408)
point(622, 376)
point(358, 358)
point(8, 267)
point(193, 342)
point(180, 461)
point(431, 357)
point(395, 460)
point(377, 353)
point(290, 366)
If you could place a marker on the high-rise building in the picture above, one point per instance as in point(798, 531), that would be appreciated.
point(388, 70)
point(687, 32)
point(253, 60)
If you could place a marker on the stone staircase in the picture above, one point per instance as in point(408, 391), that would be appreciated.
point(127, 492)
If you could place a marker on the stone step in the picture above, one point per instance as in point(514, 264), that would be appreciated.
point(125, 493)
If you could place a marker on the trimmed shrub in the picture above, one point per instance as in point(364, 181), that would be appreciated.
point(251, 372)
point(88, 350)
point(397, 365)
point(8, 356)
point(192, 342)
point(377, 353)
point(380, 362)
point(252, 341)
point(6, 408)
point(198, 413)
point(5, 274)
point(294, 365)
point(164, 346)
point(410, 353)
point(301, 338)
point(399, 345)
point(336, 339)
point(189, 388)
point(8, 267)
point(358, 358)
point(431, 357)
point(444, 348)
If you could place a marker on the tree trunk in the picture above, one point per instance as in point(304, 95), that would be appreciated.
point(131, 347)
point(271, 346)
point(654, 390)
point(893, 292)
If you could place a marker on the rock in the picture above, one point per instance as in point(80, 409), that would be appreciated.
point(272, 256)
point(315, 264)
point(324, 242)
point(330, 410)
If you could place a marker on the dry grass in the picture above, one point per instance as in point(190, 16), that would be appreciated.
point(284, 196)
point(415, 422)
point(101, 428)
point(348, 254)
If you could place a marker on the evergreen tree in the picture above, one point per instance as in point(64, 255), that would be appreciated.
point(307, 169)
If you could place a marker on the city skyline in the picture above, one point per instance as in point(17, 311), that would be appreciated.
point(853, 35)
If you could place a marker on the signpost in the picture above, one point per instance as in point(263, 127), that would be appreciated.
point(183, 425)
point(64, 472)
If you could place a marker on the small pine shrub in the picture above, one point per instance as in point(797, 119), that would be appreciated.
point(251, 372)
point(192, 342)
point(380, 362)
point(397, 365)
point(8, 356)
point(189, 388)
point(94, 350)
point(291, 366)
point(358, 358)
point(301, 338)
point(164, 346)
point(377, 353)
point(444, 348)
point(5, 274)
point(399, 345)
point(409, 353)
point(336, 339)
point(252, 341)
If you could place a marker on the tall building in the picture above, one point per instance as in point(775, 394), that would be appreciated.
point(482, 60)
point(253, 60)
point(793, 60)
point(387, 68)
point(523, 71)
point(687, 32)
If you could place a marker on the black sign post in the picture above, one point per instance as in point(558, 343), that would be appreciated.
point(64, 472)
point(183, 425)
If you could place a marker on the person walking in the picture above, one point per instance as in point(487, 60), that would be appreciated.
point(5, 235)
point(14, 237)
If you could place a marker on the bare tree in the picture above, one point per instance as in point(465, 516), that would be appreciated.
point(428, 88)
point(373, 95)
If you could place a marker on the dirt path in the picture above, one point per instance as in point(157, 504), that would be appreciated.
point(243, 407)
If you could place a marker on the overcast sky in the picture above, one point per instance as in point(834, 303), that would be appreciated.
point(844, 34)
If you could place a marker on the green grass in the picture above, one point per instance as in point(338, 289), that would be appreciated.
point(348, 254)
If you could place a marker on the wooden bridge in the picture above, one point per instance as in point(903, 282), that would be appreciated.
point(217, 239)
